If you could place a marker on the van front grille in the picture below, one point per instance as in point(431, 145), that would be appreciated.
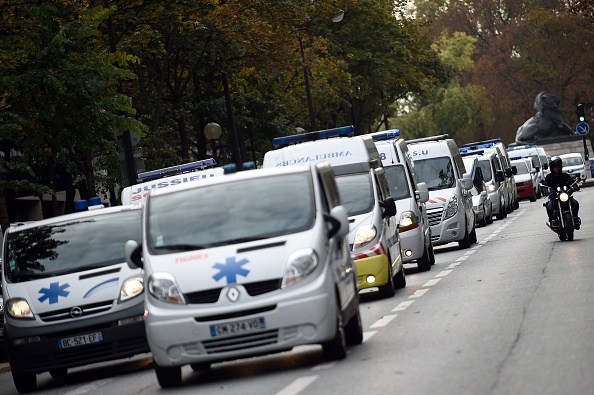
point(76, 312)
point(253, 289)
point(434, 216)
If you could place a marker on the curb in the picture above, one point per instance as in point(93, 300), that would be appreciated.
point(4, 367)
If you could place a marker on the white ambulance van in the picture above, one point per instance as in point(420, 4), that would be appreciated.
point(246, 264)
point(70, 298)
point(449, 208)
point(163, 178)
point(410, 195)
point(539, 160)
point(373, 237)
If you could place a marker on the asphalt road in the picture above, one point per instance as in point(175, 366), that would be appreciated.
point(511, 315)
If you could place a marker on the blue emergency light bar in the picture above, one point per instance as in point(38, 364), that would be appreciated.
point(312, 136)
point(169, 171)
point(385, 135)
point(518, 147)
point(483, 144)
point(469, 152)
point(232, 168)
point(83, 205)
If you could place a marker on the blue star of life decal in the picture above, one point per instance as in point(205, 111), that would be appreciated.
point(230, 269)
point(53, 292)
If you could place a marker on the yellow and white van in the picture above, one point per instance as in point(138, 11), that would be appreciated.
point(373, 237)
point(246, 264)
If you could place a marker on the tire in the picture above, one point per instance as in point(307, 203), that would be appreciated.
point(501, 214)
point(354, 328)
point(490, 217)
point(400, 279)
point(472, 236)
point(59, 373)
point(465, 242)
point(387, 290)
point(533, 199)
point(431, 254)
point(23, 381)
point(336, 348)
point(483, 222)
point(424, 262)
point(168, 377)
point(569, 226)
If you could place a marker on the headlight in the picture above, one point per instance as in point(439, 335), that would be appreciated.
point(407, 219)
point(163, 287)
point(299, 266)
point(491, 187)
point(365, 235)
point(452, 208)
point(131, 288)
point(19, 308)
point(564, 197)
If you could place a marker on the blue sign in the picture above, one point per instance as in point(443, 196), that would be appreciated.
point(582, 128)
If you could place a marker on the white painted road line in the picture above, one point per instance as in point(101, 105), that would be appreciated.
point(403, 305)
point(443, 273)
point(419, 293)
point(89, 387)
point(431, 282)
point(297, 386)
point(385, 320)
point(368, 335)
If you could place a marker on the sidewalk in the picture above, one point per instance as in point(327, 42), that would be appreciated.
point(4, 367)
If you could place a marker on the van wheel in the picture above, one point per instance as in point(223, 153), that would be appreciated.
point(490, 217)
point(472, 236)
point(400, 279)
point(200, 366)
point(354, 328)
point(387, 290)
point(465, 242)
point(424, 262)
point(168, 377)
point(58, 373)
point(431, 254)
point(336, 348)
point(23, 381)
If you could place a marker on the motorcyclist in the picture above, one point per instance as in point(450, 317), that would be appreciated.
point(556, 178)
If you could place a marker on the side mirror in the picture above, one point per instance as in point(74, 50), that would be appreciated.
point(508, 172)
point(466, 182)
point(339, 222)
point(499, 176)
point(422, 192)
point(514, 170)
point(389, 207)
point(133, 254)
point(545, 166)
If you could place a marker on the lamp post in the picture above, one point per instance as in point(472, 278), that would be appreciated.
point(212, 131)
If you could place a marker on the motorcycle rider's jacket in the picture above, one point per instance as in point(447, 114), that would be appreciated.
point(554, 181)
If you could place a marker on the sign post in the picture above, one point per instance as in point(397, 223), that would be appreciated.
point(583, 128)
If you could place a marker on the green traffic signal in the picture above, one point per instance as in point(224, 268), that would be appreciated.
point(581, 113)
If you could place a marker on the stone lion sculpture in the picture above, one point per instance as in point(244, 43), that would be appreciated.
point(548, 122)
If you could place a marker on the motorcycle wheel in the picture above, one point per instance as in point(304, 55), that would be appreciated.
point(568, 226)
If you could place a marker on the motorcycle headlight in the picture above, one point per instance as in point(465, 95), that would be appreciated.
point(564, 197)
point(163, 287)
point(19, 308)
point(452, 208)
point(365, 235)
point(299, 266)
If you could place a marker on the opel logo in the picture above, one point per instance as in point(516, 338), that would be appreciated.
point(233, 294)
point(76, 312)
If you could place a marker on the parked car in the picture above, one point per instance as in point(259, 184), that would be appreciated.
point(573, 164)
point(526, 179)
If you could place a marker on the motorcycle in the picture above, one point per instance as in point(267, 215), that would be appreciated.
point(564, 223)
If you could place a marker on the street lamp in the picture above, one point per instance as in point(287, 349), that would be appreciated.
point(212, 131)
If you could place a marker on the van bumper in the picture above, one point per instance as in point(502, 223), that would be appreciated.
point(186, 334)
point(376, 266)
point(413, 240)
point(450, 230)
point(118, 341)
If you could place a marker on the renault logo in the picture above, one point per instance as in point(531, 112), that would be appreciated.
point(76, 312)
point(233, 294)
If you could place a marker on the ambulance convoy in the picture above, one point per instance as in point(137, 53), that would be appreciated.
point(237, 265)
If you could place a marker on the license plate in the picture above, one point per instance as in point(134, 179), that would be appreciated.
point(81, 340)
point(231, 328)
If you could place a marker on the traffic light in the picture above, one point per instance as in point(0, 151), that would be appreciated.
point(580, 113)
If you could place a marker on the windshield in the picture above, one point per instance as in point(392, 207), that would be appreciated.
point(397, 181)
point(230, 213)
point(437, 173)
point(572, 161)
point(356, 193)
point(72, 246)
point(521, 166)
point(485, 166)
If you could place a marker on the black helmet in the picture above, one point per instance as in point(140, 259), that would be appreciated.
point(556, 162)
